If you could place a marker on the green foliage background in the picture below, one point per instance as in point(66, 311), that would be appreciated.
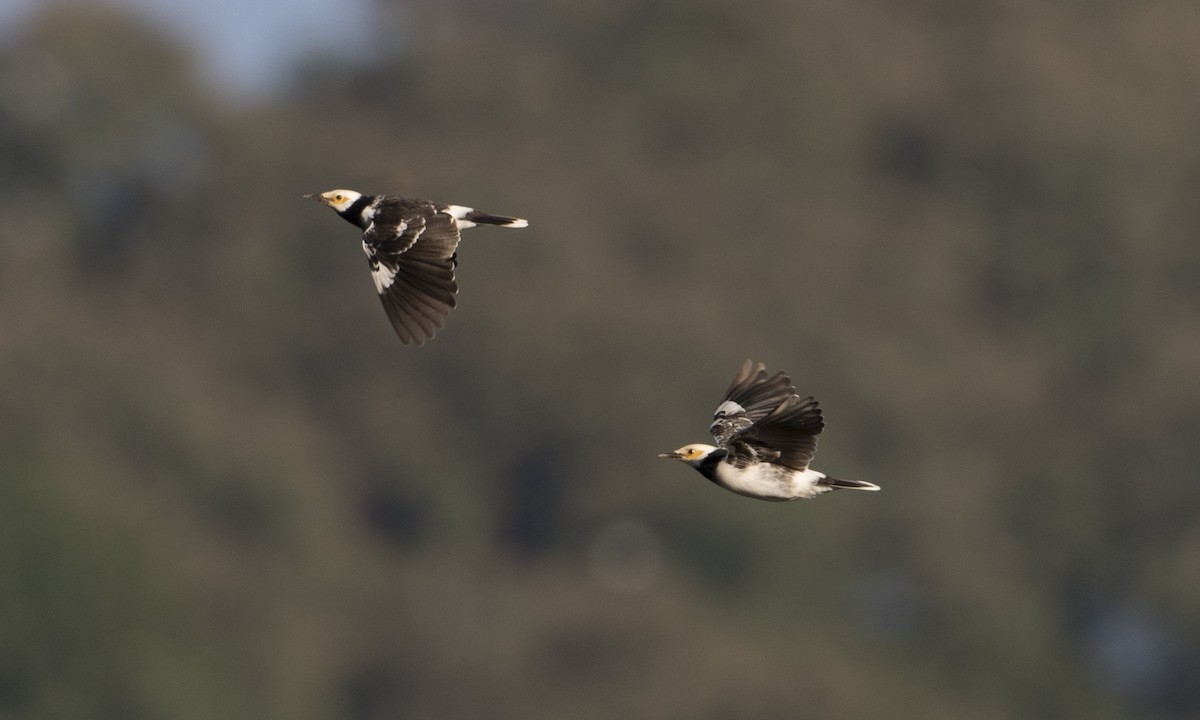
point(970, 229)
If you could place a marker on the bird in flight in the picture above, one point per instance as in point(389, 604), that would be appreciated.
point(411, 247)
point(766, 437)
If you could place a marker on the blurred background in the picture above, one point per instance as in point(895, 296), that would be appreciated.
point(970, 229)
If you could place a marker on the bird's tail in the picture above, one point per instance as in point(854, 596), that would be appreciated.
point(482, 218)
point(839, 484)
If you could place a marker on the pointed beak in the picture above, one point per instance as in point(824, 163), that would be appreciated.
point(674, 455)
point(314, 196)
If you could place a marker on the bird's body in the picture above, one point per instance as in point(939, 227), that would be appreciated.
point(762, 480)
point(411, 247)
point(766, 437)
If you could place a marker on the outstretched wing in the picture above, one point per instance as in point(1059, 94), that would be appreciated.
point(750, 398)
point(415, 278)
point(786, 436)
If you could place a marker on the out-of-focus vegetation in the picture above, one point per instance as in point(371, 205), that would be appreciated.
point(969, 229)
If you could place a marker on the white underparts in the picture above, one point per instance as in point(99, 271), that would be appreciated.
point(772, 482)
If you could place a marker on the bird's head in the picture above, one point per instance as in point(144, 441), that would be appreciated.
point(691, 454)
point(339, 200)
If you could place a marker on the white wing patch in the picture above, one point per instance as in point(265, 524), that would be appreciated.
point(728, 408)
point(383, 276)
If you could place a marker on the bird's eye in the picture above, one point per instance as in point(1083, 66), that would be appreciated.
point(339, 197)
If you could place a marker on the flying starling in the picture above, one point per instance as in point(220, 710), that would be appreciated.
point(766, 437)
point(411, 247)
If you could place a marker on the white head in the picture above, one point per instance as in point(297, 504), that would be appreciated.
point(693, 454)
point(339, 200)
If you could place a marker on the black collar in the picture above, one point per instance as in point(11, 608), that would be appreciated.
point(353, 214)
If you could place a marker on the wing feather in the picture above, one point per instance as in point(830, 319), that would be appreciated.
point(750, 398)
point(787, 436)
point(390, 237)
point(424, 288)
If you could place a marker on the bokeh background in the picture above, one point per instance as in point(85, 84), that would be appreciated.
point(970, 229)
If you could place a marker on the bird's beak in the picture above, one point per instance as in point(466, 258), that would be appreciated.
point(672, 454)
point(314, 196)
